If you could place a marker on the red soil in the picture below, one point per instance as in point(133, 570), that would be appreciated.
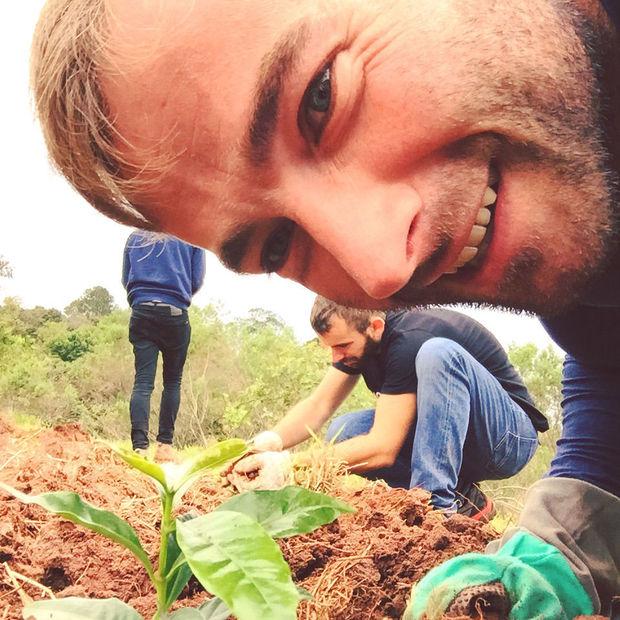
point(360, 567)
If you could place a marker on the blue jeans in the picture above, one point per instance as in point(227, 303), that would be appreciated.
point(589, 448)
point(153, 329)
point(467, 427)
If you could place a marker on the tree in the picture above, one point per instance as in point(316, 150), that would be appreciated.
point(6, 270)
point(93, 303)
point(541, 371)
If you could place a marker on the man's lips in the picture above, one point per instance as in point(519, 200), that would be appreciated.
point(470, 254)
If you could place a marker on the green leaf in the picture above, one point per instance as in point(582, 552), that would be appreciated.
point(72, 507)
point(210, 458)
point(288, 511)
point(137, 461)
point(79, 608)
point(215, 609)
point(235, 559)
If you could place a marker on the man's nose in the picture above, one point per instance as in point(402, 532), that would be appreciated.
point(367, 230)
point(337, 356)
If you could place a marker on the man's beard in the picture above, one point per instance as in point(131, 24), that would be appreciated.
point(574, 143)
point(371, 348)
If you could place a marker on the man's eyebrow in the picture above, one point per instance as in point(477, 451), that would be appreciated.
point(276, 66)
point(234, 249)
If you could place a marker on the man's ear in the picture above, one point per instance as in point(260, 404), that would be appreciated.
point(377, 325)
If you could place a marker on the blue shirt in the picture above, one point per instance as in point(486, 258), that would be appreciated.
point(165, 270)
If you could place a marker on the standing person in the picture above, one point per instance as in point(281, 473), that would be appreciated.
point(451, 409)
point(160, 275)
point(384, 153)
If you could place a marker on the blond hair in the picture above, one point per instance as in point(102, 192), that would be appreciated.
point(69, 50)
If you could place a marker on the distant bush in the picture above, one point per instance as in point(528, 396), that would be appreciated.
point(71, 347)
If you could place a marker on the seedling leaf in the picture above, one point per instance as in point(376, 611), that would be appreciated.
point(73, 608)
point(210, 458)
point(235, 559)
point(72, 507)
point(215, 609)
point(137, 461)
point(288, 511)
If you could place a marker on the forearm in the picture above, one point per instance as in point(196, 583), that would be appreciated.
point(363, 453)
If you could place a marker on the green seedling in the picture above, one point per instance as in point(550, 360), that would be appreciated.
point(231, 550)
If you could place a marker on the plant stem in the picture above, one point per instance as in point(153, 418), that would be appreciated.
point(166, 527)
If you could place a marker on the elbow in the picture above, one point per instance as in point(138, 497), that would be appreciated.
point(384, 460)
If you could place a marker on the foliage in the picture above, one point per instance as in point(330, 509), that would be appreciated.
point(230, 551)
point(93, 303)
point(240, 377)
point(6, 271)
point(541, 371)
point(71, 347)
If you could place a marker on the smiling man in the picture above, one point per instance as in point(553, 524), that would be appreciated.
point(380, 153)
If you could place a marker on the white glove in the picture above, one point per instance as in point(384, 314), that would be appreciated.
point(267, 441)
point(265, 471)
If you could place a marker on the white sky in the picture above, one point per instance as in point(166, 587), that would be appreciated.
point(59, 246)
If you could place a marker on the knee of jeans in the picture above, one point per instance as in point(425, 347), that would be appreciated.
point(334, 431)
point(172, 384)
point(436, 353)
point(143, 388)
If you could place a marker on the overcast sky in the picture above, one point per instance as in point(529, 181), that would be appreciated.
point(59, 246)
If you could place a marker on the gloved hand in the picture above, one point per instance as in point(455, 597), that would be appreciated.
point(267, 441)
point(267, 471)
point(527, 578)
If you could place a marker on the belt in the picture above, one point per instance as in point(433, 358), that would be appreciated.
point(174, 311)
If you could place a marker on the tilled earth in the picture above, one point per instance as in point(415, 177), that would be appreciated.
point(360, 567)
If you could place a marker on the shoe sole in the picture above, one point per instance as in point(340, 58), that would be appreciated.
point(486, 514)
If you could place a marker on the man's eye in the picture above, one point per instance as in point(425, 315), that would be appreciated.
point(277, 245)
point(316, 106)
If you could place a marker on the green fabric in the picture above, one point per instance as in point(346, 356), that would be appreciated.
point(537, 577)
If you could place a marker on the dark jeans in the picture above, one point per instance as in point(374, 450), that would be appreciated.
point(153, 329)
point(589, 448)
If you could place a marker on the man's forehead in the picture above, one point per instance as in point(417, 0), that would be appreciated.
point(181, 85)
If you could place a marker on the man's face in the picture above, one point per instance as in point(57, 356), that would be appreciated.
point(349, 346)
point(376, 152)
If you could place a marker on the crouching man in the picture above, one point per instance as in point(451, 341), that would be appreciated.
point(451, 410)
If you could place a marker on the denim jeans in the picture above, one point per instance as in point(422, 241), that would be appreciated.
point(152, 329)
point(467, 428)
point(589, 448)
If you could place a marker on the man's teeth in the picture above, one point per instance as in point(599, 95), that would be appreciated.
point(477, 233)
point(489, 197)
point(483, 217)
point(476, 236)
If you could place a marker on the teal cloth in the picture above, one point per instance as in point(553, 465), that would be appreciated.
point(537, 577)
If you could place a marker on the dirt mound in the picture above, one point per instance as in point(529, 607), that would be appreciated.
point(360, 567)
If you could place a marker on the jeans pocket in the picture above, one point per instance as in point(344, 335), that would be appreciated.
point(511, 454)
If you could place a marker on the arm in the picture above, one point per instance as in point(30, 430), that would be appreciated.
point(313, 411)
point(394, 416)
point(125, 274)
point(198, 269)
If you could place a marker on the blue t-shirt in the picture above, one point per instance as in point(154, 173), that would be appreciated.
point(161, 269)
point(392, 369)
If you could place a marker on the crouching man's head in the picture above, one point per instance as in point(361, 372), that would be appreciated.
point(353, 335)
